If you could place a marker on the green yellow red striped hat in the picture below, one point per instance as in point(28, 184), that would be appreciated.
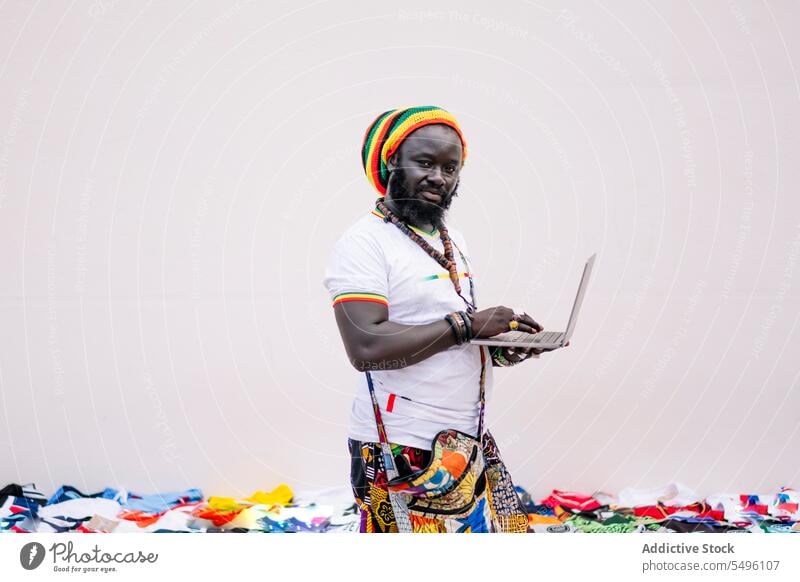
point(387, 132)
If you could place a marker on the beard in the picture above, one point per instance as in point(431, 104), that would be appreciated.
point(413, 209)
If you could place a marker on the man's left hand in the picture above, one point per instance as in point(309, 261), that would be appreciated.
point(517, 355)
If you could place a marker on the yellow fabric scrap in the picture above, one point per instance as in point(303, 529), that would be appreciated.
point(281, 495)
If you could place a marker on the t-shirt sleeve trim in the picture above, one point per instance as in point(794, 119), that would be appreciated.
point(354, 296)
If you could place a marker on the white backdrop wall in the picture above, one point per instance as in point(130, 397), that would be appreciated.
point(173, 176)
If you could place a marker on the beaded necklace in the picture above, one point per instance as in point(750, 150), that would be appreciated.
point(446, 260)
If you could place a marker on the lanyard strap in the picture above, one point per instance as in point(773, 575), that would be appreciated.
point(471, 307)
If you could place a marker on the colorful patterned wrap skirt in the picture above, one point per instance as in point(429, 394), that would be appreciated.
point(499, 508)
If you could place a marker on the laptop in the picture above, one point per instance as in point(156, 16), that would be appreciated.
point(543, 339)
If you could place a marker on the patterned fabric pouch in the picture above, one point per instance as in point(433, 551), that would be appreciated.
point(452, 483)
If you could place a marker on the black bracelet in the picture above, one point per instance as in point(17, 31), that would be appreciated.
point(468, 324)
point(460, 319)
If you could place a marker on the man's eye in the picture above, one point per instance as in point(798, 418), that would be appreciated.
point(424, 163)
point(450, 169)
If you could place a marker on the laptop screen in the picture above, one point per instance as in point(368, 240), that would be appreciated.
point(576, 307)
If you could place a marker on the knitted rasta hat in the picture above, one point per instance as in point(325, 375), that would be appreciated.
point(387, 132)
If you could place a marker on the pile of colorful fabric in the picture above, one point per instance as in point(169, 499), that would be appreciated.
point(673, 508)
point(24, 509)
point(668, 509)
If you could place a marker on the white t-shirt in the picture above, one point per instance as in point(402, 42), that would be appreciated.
point(375, 261)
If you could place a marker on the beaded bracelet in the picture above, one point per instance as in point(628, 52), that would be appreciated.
point(468, 323)
point(462, 325)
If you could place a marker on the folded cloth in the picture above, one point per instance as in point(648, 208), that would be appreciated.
point(29, 492)
point(82, 508)
point(314, 518)
point(775, 527)
point(177, 520)
point(604, 498)
point(287, 519)
point(728, 504)
point(291, 525)
point(67, 492)
point(680, 524)
point(153, 504)
point(538, 519)
point(662, 511)
point(620, 525)
point(786, 505)
point(755, 503)
point(68, 515)
point(670, 494)
point(572, 500)
point(247, 518)
point(205, 516)
point(345, 520)
point(98, 524)
point(17, 507)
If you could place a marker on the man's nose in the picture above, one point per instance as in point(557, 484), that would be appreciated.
point(435, 177)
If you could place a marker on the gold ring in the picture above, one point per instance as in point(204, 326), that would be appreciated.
point(513, 325)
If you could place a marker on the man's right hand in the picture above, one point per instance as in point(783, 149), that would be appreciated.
point(490, 322)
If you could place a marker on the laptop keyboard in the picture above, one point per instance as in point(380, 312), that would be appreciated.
point(544, 337)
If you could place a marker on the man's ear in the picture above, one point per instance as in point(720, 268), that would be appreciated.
point(391, 163)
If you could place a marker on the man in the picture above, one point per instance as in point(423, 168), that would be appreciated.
point(403, 294)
